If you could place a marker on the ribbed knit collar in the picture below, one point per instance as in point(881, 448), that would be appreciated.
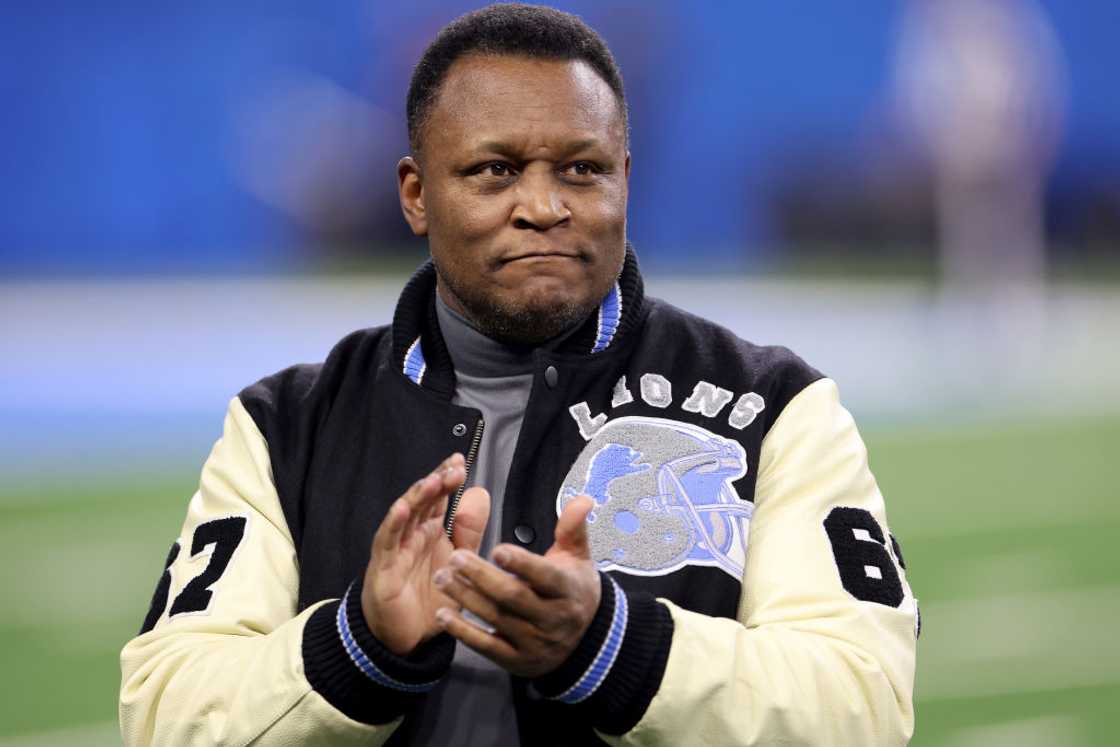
point(420, 351)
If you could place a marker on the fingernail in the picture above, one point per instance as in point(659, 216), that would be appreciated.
point(443, 616)
point(457, 560)
point(441, 578)
point(501, 557)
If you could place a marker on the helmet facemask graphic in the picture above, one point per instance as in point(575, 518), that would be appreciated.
point(663, 496)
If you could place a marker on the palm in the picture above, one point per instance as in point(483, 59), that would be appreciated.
point(407, 600)
point(398, 598)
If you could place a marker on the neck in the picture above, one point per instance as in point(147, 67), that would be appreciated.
point(475, 354)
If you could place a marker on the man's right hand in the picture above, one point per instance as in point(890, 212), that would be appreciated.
point(399, 601)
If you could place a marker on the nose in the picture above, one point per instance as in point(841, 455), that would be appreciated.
point(539, 206)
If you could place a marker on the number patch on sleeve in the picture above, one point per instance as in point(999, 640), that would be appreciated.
point(159, 599)
point(866, 567)
point(225, 535)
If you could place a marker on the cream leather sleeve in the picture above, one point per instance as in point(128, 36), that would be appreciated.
point(223, 664)
point(808, 662)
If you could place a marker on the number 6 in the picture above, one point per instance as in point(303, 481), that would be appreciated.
point(866, 568)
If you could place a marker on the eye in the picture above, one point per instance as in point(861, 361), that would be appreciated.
point(582, 169)
point(493, 170)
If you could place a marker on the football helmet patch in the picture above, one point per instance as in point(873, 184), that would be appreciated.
point(663, 496)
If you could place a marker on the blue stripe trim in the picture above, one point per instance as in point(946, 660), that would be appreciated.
point(610, 315)
point(414, 363)
point(362, 662)
point(601, 665)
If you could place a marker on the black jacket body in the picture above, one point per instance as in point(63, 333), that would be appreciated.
point(350, 435)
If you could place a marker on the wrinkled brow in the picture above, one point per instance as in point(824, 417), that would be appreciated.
point(515, 151)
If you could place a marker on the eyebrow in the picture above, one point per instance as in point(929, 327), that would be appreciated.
point(509, 151)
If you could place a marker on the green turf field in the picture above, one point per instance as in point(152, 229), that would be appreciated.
point(1009, 532)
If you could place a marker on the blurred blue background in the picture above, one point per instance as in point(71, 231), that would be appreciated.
point(209, 136)
point(920, 197)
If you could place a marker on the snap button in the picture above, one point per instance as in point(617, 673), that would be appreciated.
point(459, 429)
point(551, 377)
point(524, 533)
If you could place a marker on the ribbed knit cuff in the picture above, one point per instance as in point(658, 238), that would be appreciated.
point(354, 671)
point(617, 667)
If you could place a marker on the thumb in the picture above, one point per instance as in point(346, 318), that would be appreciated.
point(571, 527)
point(470, 519)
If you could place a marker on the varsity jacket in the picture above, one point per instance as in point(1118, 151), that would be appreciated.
point(752, 593)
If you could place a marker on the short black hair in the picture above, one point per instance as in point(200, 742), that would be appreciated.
point(507, 29)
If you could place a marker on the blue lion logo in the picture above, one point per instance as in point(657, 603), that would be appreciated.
point(663, 496)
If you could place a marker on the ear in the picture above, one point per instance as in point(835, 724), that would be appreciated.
point(410, 187)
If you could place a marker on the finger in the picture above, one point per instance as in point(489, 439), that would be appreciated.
point(388, 536)
point(470, 519)
point(465, 594)
point(504, 589)
point(539, 572)
point(432, 529)
point(571, 528)
point(422, 492)
point(456, 458)
point(428, 496)
point(428, 486)
point(452, 473)
point(407, 513)
point(493, 647)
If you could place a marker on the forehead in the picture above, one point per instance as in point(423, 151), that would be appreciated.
point(523, 102)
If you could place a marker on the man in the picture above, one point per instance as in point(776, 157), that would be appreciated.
point(622, 457)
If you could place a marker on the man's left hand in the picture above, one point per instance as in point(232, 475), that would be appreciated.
point(539, 605)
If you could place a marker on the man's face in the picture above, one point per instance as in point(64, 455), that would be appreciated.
point(521, 189)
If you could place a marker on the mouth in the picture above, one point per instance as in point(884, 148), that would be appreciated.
point(545, 254)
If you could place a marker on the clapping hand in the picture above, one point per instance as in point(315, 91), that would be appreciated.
point(399, 601)
point(539, 606)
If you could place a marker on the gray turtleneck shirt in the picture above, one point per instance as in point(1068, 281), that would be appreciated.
point(473, 704)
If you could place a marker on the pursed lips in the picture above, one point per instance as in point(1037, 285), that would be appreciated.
point(541, 255)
